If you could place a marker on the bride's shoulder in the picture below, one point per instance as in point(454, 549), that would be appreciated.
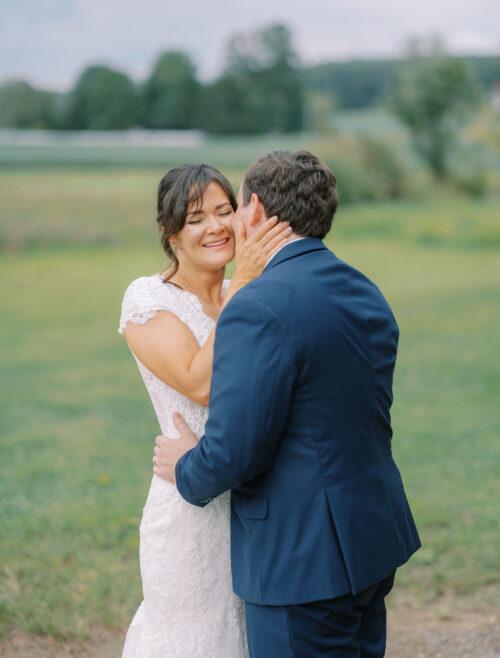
point(143, 284)
point(145, 296)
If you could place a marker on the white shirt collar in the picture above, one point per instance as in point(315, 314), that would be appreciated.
point(282, 247)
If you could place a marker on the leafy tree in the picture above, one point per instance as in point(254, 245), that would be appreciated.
point(432, 96)
point(281, 80)
point(23, 106)
point(230, 108)
point(171, 94)
point(102, 99)
point(262, 70)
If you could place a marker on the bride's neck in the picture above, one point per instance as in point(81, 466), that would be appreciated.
point(205, 284)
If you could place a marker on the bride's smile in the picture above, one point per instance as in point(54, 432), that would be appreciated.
point(206, 240)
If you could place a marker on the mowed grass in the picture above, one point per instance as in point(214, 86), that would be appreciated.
point(56, 209)
point(78, 429)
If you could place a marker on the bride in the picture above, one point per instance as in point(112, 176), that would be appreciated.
point(168, 320)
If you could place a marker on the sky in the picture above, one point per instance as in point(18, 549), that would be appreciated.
point(49, 42)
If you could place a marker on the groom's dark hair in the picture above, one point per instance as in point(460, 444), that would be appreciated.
point(295, 186)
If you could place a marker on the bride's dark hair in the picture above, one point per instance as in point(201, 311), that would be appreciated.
point(178, 189)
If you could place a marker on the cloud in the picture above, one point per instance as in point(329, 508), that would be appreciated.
point(51, 41)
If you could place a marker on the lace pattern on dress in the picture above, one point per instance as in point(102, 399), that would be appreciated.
point(189, 608)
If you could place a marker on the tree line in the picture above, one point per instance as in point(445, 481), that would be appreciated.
point(262, 88)
point(364, 83)
point(259, 90)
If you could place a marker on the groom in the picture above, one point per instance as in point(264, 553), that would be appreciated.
point(299, 429)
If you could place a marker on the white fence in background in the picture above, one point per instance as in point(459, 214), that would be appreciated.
point(92, 138)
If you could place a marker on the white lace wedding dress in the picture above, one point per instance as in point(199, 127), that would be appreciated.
point(189, 609)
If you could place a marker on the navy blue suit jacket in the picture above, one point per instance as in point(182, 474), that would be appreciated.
point(299, 429)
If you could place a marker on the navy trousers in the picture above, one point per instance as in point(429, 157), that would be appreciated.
point(345, 627)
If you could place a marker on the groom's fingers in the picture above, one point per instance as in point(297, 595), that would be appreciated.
point(158, 456)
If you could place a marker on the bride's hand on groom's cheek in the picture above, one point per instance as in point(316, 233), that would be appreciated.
point(252, 253)
point(168, 450)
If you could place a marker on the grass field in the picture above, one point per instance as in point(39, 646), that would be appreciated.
point(232, 152)
point(77, 427)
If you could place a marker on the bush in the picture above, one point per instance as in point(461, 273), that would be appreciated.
point(354, 182)
point(389, 171)
point(366, 169)
point(475, 169)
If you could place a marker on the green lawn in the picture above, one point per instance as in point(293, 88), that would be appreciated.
point(226, 151)
point(78, 429)
point(55, 209)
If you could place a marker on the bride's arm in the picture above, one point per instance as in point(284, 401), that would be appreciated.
point(167, 347)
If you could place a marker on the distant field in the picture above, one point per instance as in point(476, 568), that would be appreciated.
point(225, 152)
point(77, 427)
point(233, 152)
point(372, 121)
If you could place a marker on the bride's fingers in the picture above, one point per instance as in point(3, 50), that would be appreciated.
point(279, 244)
point(279, 231)
point(282, 237)
point(260, 243)
point(262, 230)
point(239, 233)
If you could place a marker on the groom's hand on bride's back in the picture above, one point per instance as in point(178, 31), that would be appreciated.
point(169, 450)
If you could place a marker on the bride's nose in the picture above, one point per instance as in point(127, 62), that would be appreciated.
point(215, 225)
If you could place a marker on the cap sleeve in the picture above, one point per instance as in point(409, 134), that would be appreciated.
point(143, 299)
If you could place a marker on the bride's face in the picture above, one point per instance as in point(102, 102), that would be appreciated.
point(207, 240)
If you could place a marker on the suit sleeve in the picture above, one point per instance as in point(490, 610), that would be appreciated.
point(250, 397)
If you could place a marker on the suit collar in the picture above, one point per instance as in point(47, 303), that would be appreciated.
point(296, 248)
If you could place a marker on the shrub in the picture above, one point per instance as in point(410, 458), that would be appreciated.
point(366, 169)
point(475, 169)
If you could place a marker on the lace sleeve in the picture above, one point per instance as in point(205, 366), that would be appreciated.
point(142, 300)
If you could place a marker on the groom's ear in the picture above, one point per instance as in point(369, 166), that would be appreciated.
point(256, 210)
